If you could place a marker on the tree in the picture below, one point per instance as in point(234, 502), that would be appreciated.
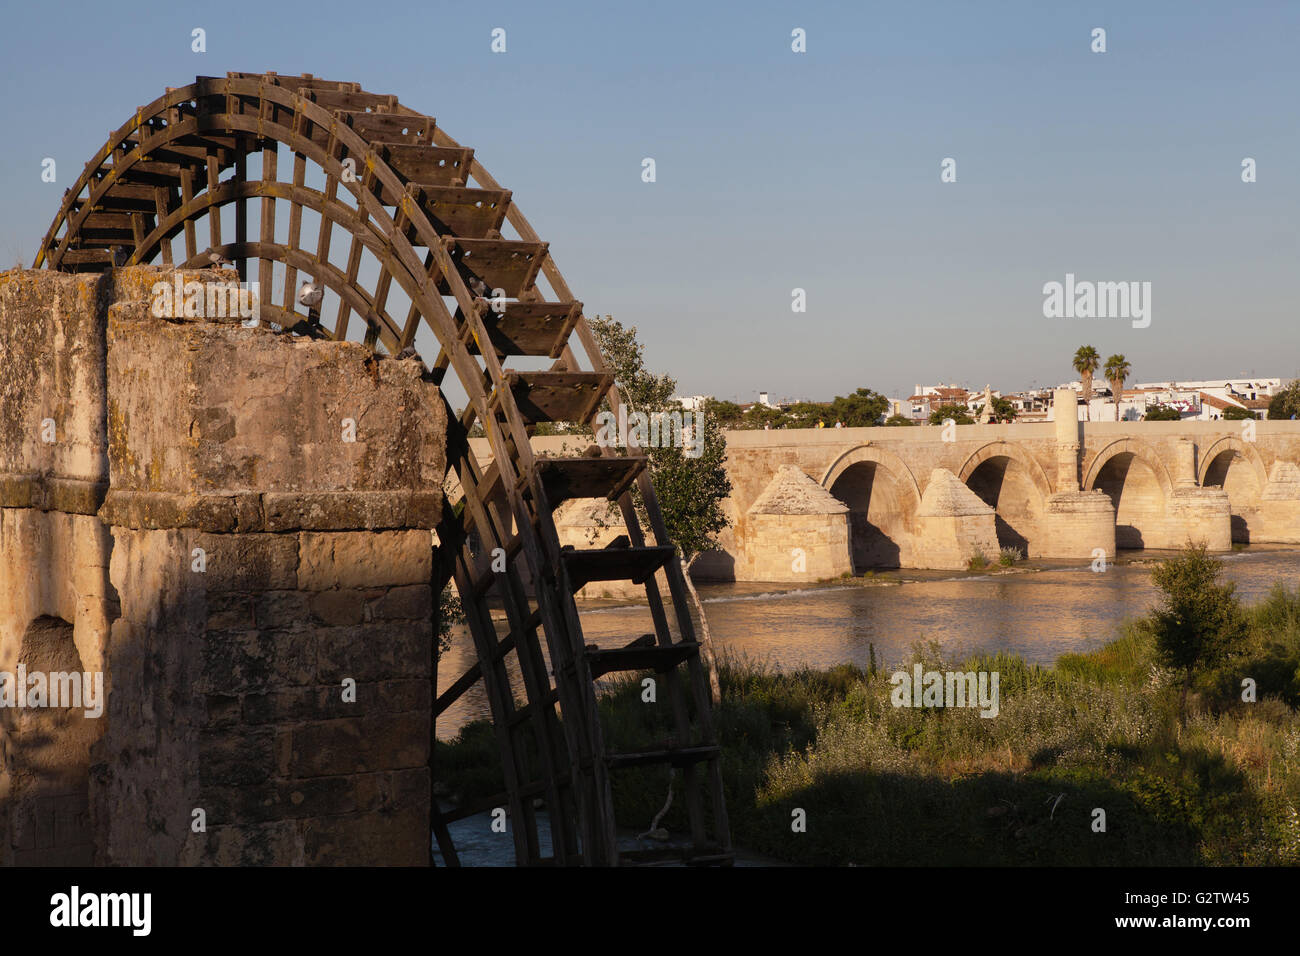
point(1086, 362)
point(1004, 410)
point(1286, 403)
point(957, 413)
point(1235, 413)
point(1116, 371)
point(726, 414)
point(450, 614)
point(690, 490)
point(807, 415)
point(1199, 622)
point(1162, 413)
point(760, 416)
point(899, 420)
point(861, 409)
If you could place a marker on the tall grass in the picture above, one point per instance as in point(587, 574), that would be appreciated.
point(887, 785)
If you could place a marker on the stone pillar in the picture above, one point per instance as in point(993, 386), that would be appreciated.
point(1079, 525)
point(795, 531)
point(1065, 405)
point(1279, 506)
point(265, 619)
point(953, 525)
point(1185, 464)
point(1193, 513)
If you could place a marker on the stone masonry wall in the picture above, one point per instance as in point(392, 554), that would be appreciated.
point(233, 526)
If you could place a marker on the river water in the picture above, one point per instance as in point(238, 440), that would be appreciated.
point(1038, 612)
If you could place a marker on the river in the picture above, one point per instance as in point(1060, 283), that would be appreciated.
point(1037, 612)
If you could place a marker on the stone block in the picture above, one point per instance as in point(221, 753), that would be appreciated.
point(353, 559)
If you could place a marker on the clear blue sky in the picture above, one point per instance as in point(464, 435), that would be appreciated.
point(779, 170)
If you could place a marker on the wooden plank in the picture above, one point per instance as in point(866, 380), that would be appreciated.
point(463, 211)
point(557, 396)
point(430, 165)
point(529, 328)
point(506, 264)
point(615, 564)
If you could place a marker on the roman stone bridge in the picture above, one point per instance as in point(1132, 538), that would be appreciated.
point(813, 503)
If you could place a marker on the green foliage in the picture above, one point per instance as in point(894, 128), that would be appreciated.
point(1199, 622)
point(1009, 556)
point(640, 388)
point(1086, 363)
point(1162, 413)
point(450, 615)
point(727, 414)
point(806, 415)
point(977, 562)
point(957, 413)
point(760, 416)
point(861, 409)
point(1116, 371)
point(899, 420)
point(1286, 403)
point(690, 490)
point(1235, 413)
point(935, 786)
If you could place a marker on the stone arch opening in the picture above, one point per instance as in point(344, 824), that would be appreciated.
point(1139, 496)
point(46, 753)
point(1005, 485)
point(1229, 466)
point(882, 508)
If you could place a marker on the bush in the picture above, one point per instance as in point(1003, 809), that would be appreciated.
point(977, 562)
point(1009, 556)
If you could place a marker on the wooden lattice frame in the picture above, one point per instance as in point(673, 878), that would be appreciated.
point(159, 174)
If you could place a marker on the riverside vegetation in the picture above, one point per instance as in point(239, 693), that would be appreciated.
point(1187, 771)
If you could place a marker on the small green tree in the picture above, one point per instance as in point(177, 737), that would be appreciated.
point(1162, 413)
point(807, 415)
point(1199, 622)
point(1235, 413)
point(899, 420)
point(450, 614)
point(760, 416)
point(957, 413)
point(726, 414)
point(860, 410)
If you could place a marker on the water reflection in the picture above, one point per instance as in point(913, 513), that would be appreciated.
point(1039, 615)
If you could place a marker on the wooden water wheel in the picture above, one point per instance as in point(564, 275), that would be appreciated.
point(420, 213)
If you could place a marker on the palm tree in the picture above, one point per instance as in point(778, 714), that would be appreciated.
point(1117, 369)
point(1086, 361)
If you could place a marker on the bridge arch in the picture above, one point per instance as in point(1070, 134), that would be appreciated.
point(1013, 483)
point(1236, 467)
point(1131, 473)
point(883, 498)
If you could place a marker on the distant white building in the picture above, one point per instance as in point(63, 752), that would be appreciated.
point(692, 403)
